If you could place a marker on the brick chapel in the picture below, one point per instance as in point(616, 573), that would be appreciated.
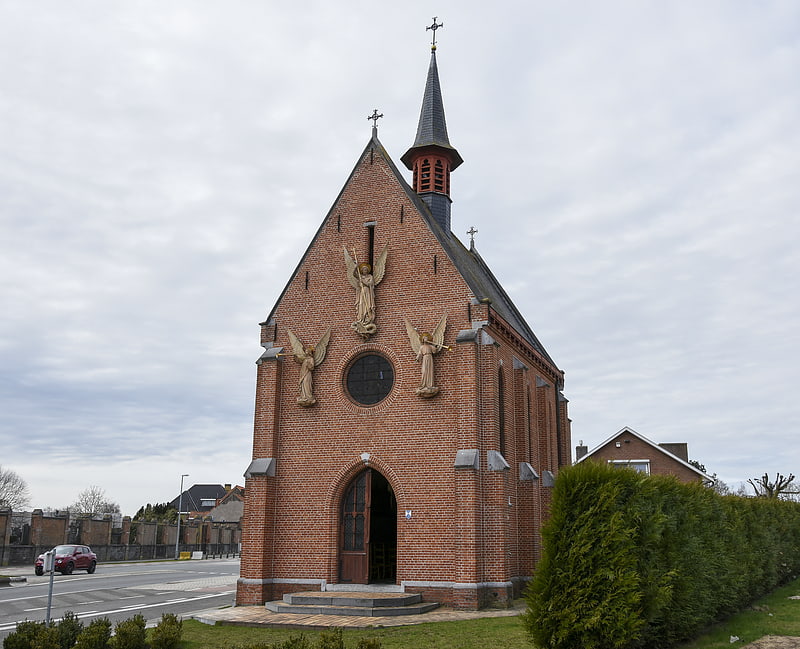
point(408, 422)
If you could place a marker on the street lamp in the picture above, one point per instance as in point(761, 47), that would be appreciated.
point(180, 506)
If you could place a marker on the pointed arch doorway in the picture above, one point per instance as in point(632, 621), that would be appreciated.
point(368, 531)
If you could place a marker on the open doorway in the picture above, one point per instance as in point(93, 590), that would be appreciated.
point(368, 537)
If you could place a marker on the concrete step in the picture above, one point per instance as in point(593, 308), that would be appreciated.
point(362, 604)
point(361, 600)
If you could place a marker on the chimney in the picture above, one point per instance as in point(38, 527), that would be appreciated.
point(678, 449)
point(580, 450)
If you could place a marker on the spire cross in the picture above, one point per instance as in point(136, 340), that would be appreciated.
point(375, 117)
point(433, 28)
point(472, 232)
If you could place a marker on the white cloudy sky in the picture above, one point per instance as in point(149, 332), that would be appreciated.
point(631, 167)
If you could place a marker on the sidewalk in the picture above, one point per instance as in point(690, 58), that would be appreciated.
point(260, 616)
point(16, 571)
point(10, 575)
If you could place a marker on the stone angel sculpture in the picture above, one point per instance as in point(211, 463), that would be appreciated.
point(425, 346)
point(363, 278)
point(309, 358)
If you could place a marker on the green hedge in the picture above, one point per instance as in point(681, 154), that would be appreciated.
point(69, 632)
point(632, 560)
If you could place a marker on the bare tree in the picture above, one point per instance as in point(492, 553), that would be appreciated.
point(765, 488)
point(719, 486)
point(93, 500)
point(13, 490)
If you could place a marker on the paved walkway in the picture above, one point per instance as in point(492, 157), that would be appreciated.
point(260, 616)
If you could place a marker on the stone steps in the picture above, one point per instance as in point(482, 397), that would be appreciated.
point(361, 604)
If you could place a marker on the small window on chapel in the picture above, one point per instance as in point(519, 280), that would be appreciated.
point(369, 379)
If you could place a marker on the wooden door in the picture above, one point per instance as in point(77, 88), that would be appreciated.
point(354, 540)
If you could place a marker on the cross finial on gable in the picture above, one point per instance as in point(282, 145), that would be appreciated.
point(375, 117)
point(472, 232)
point(433, 28)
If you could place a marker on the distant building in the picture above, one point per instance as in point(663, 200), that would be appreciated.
point(629, 449)
point(229, 508)
point(200, 499)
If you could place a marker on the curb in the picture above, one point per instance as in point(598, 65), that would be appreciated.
point(7, 581)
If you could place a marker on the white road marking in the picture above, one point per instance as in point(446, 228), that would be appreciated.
point(84, 614)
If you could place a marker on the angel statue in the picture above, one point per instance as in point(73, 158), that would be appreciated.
point(425, 345)
point(364, 279)
point(308, 357)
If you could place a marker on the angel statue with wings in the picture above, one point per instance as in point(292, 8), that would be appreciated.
point(425, 346)
point(363, 278)
point(308, 357)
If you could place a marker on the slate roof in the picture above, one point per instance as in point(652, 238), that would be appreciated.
point(470, 265)
point(432, 126)
point(432, 132)
point(194, 495)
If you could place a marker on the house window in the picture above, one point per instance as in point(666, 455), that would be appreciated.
point(208, 502)
point(643, 466)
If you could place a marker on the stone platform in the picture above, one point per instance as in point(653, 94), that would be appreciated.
point(360, 604)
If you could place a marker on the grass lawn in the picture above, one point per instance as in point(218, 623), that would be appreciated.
point(774, 614)
point(505, 632)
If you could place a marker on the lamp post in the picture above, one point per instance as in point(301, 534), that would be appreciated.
point(180, 506)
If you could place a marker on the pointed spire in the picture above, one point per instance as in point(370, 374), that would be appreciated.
point(432, 157)
point(432, 127)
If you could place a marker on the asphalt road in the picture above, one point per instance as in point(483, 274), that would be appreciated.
point(119, 591)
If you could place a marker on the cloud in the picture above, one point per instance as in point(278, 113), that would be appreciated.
point(630, 170)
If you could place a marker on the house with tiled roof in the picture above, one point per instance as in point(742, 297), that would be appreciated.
point(230, 507)
point(628, 449)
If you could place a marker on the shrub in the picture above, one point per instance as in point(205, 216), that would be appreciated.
point(69, 628)
point(22, 637)
point(130, 634)
point(168, 632)
point(32, 635)
point(331, 639)
point(369, 643)
point(295, 642)
point(96, 635)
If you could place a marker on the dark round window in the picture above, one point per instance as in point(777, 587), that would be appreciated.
point(370, 379)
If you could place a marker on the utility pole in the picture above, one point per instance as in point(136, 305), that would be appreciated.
point(180, 506)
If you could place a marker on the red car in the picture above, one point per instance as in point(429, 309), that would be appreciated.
point(69, 558)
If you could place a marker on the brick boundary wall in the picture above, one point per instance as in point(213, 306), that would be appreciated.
point(155, 540)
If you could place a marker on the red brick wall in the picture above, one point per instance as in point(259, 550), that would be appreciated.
point(476, 529)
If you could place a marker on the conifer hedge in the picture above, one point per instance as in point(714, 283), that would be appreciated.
point(631, 560)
